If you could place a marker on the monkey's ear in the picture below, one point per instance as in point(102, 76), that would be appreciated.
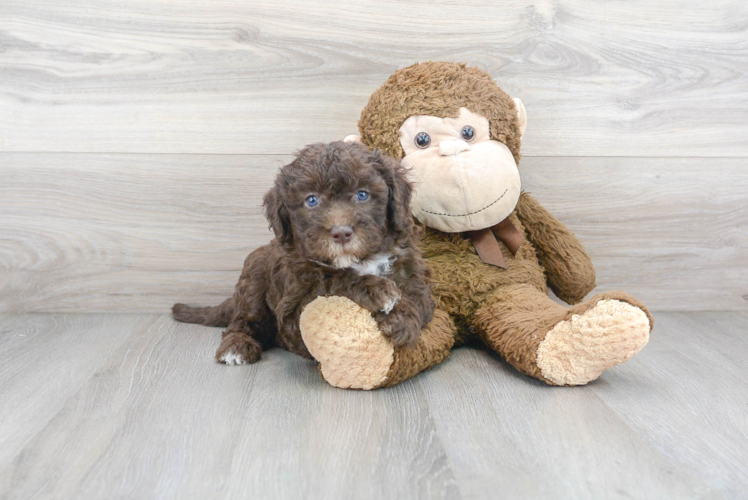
point(521, 115)
point(277, 213)
point(398, 202)
point(353, 138)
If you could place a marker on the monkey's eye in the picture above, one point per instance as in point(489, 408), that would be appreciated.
point(467, 133)
point(362, 195)
point(312, 201)
point(423, 140)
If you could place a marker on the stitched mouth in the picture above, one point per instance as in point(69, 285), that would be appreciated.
point(470, 213)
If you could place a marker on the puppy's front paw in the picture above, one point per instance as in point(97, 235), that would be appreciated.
point(389, 296)
point(390, 304)
point(402, 325)
point(238, 349)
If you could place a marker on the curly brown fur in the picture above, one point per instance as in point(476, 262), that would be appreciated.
point(304, 261)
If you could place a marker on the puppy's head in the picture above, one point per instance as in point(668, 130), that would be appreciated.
point(340, 203)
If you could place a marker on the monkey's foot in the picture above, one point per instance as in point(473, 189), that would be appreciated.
point(344, 338)
point(578, 349)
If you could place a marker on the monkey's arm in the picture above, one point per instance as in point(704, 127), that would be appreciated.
point(568, 267)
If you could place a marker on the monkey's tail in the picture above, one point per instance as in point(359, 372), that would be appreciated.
point(209, 316)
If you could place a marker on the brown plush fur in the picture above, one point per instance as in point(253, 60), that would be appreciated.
point(304, 263)
point(507, 308)
point(433, 347)
point(437, 89)
point(568, 268)
point(527, 315)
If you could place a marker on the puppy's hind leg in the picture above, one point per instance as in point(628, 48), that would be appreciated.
point(238, 346)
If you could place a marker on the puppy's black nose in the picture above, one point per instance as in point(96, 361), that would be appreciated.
point(341, 234)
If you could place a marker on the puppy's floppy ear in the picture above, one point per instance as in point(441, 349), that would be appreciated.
point(398, 203)
point(277, 212)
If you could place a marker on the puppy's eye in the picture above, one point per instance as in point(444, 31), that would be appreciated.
point(312, 201)
point(423, 140)
point(467, 133)
point(362, 195)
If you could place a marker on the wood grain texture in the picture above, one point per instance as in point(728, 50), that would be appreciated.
point(670, 423)
point(161, 419)
point(513, 435)
point(155, 417)
point(89, 232)
point(597, 79)
point(127, 232)
point(701, 359)
point(70, 348)
point(672, 231)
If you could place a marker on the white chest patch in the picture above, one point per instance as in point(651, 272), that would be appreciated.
point(378, 265)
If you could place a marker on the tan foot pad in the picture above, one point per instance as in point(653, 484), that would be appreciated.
point(579, 349)
point(345, 339)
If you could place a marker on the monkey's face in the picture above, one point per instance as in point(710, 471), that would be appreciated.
point(463, 180)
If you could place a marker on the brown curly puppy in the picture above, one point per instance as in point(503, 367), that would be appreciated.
point(342, 227)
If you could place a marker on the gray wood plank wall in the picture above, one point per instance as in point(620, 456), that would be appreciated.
point(137, 137)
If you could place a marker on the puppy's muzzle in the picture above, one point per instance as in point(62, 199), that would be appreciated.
point(341, 234)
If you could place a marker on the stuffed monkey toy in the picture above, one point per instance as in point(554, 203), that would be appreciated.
point(492, 249)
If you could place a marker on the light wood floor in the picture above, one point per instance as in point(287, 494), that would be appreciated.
point(132, 406)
